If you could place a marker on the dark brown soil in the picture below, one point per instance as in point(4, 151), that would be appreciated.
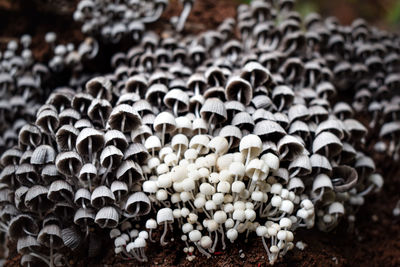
point(375, 240)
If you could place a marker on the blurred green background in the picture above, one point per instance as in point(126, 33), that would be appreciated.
point(382, 13)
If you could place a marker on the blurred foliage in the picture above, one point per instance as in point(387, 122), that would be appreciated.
point(383, 13)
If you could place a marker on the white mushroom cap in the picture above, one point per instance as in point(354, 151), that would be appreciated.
point(232, 234)
point(151, 224)
point(194, 235)
point(206, 242)
point(165, 215)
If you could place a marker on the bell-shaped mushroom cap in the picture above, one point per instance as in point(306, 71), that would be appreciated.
point(289, 147)
point(5, 195)
point(165, 215)
point(26, 174)
point(128, 98)
point(331, 125)
point(29, 260)
point(296, 185)
point(343, 110)
point(141, 134)
point(200, 143)
point(156, 92)
point(87, 172)
point(69, 116)
point(321, 181)
point(344, 178)
point(116, 138)
point(262, 101)
point(298, 112)
point(27, 244)
point(336, 208)
point(325, 90)
point(232, 134)
point(99, 87)
point(239, 90)
point(81, 102)
point(164, 122)
point(30, 135)
point(282, 96)
point(300, 166)
point(269, 130)
point(36, 198)
point(42, 155)
point(99, 110)
point(243, 121)
point(50, 236)
point(213, 111)
point(177, 100)
point(136, 152)
point(138, 204)
point(71, 237)
point(233, 107)
point(47, 120)
point(102, 196)
point(60, 191)
point(107, 217)
point(390, 129)
point(82, 124)
point(129, 172)
point(11, 157)
point(124, 118)
point(183, 125)
point(7, 175)
point(356, 129)
point(111, 156)
point(320, 163)
point(250, 145)
point(364, 165)
point(69, 163)
point(119, 189)
point(84, 217)
point(22, 225)
point(328, 144)
point(299, 128)
point(153, 143)
point(137, 84)
point(282, 119)
point(19, 197)
point(82, 197)
point(66, 137)
point(89, 140)
point(255, 74)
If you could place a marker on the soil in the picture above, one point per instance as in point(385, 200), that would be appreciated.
point(375, 238)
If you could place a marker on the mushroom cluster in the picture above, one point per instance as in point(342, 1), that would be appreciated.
point(73, 168)
point(22, 86)
point(114, 20)
point(210, 135)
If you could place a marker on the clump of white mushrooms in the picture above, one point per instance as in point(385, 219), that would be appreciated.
point(204, 138)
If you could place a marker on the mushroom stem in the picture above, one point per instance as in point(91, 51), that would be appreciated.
point(366, 191)
point(107, 171)
point(156, 14)
point(215, 243)
point(162, 242)
point(202, 251)
point(221, 230)
point(266, 247)
point(51, 251)
point(182, 18)
point(320, 195)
